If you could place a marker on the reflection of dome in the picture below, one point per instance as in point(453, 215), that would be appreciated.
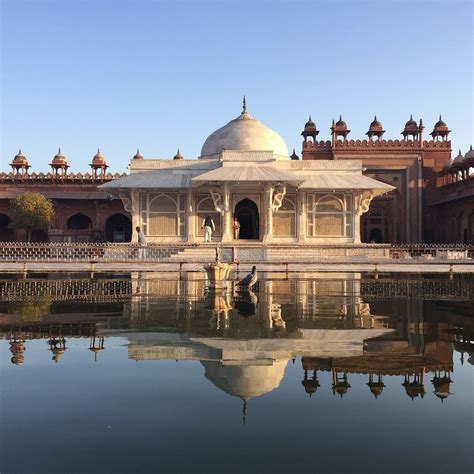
point(245, 134)
point(245, 381)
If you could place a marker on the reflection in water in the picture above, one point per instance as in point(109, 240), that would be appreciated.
point(330, 338)
point(243, 338)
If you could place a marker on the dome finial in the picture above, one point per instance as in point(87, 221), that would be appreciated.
point(244, 105)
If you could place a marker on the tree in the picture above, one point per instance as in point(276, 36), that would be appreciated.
point(31, 211)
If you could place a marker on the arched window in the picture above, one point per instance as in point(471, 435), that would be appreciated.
point(329, 215)
point(284, 220)
point(205, 207)
point(6, 234)
point(163, 214)
point(78, 221)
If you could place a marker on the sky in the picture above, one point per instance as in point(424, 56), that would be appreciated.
point(159, 75)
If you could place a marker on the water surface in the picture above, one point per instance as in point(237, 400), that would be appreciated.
point(307, 373)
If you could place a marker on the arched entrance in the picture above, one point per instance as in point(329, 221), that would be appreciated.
point(6, 234)
point(376, 236)
point(118, 228)
point(78, 222)
point(246, 212)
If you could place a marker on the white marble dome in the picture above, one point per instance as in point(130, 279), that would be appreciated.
point(245, 381)
point(244, 134)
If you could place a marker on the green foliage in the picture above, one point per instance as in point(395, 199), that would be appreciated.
point(31, 211)
point(31, 308)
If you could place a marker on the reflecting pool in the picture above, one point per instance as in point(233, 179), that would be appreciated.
point(149, 372)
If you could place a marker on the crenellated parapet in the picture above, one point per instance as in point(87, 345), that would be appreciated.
point(437, 145)
point(53, 177)
point(377, 144)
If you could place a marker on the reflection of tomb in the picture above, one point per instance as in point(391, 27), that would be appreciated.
point(279, 305)
point(57, 345)
point(245, 381)
point(17, 348)
point(96, 345)
point(441, 384)
point(310, 384)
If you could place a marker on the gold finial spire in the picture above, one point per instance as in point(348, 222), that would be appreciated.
point(244, 105)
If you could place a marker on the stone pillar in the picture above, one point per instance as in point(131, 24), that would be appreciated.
point(356, 218)
point(361, 205)
point(301, 216)
point(190, 216)
point(131, 203)
point(135, 213)
point(268, 213)
point(226, 214)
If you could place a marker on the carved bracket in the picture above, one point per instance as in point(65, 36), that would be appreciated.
point(129, 203)
point(217, 196)
point(277, 199)
point(362, 202)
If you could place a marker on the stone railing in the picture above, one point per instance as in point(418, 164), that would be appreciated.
point(119, 290)
point(258, 252)
point(430, 252)
point(80, 252)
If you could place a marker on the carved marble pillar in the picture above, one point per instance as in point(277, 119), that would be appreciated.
point(130, 200)
point(268, 213)
point(361, 206)
point(190, 216)
point(221, 198)
point(301, 216)
point(227, 222)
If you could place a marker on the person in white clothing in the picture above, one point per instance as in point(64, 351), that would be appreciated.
point(209, 227)
point(141, 243)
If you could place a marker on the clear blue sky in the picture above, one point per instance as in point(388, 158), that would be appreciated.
point(163, 75)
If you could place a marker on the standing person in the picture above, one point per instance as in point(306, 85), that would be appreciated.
point(209, 227)
point(236, 227)
point(141, 243)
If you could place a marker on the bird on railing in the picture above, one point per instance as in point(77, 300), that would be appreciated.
point(250, 279)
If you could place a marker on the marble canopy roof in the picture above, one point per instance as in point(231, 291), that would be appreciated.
point(249, 167)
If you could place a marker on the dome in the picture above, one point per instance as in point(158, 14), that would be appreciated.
point(310, 125)
point(245, 381)
point(178, 156)
point(458, 160)
point(294, 156)
point(20, 158)
point(448, 163)
point(99, 158)
point(375, 129)
point(244, 133)
point(375, 126)
point(440, 125)
point(469, 156)
point(138, 155)
point(59, 158)
point(340, 124)
point(411, 126)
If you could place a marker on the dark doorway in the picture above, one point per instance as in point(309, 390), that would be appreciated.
point(78, 222)
point(246, 212)
point(376, 236)
point(6, 234)
point(118, 228)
